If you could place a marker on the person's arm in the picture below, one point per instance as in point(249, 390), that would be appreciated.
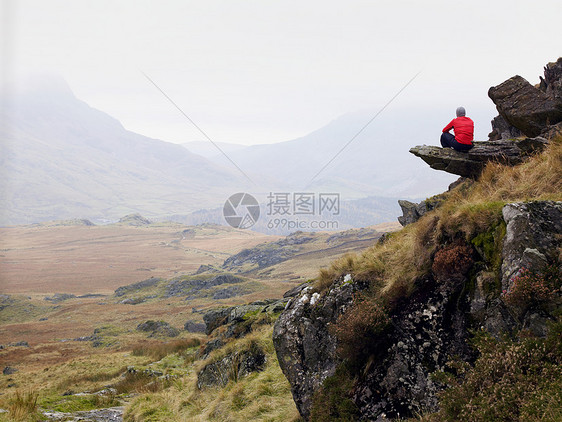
point(449, 126)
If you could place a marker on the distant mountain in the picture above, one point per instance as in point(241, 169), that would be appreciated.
point(375, 163)
point(64, 159)
point(208, 150)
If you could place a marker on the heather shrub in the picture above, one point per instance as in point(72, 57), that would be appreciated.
point(532, 289)
point(452, 261)
point(512, 380)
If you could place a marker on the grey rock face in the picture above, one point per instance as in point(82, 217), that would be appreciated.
point(429, 328)
point(305, 348)
point(527, 108)
point(470, 164)
point(533, 237)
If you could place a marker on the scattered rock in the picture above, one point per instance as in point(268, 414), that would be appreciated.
point(552, 82)
point(8, 370)
point(19, 344)
point(207, 269)
point(215, 318)
point(268, 254)
point(229, 292)
point(211, 345)
point(59, 297)
point(158, 328)
point(110, 414)
point(470, 164)
point(197, 287)
point(412, 212)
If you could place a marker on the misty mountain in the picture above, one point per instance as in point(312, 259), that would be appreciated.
point(375, 163)
point(208, 150)
point(63, 159)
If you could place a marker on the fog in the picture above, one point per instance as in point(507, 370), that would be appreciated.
point(260, 72)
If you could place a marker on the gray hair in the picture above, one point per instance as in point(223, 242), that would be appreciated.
point(461, 112)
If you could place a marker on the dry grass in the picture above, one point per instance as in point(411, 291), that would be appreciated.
point(157, 350)
point(22, 406)
point(260, 396)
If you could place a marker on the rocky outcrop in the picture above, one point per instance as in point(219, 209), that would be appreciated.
point(428, 328)
point(528, 110)
point(525, 107)
point(306, 349)
point(411, 212)
point(136, 287)
point(501, 129)
point(470, 164)
point(135, 220)
point(231, 367)
point(551, 84)
point(268, 254)
point(233, 316)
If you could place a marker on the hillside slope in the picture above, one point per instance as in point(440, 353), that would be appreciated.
point(63, 159)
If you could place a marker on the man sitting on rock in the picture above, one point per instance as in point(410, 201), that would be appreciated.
point(464, 132)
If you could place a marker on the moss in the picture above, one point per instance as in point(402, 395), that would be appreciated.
point(489, 244)
point(332, 402)
point(68, 404)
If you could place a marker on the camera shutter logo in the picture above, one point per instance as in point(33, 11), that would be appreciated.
point(241, 210)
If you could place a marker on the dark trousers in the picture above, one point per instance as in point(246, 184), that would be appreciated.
point(449, 141)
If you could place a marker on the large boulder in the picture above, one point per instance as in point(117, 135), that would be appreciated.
point(306, 349)
point(525, 107)
point(470, 164)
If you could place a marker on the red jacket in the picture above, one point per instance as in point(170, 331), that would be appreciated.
point(464, 129)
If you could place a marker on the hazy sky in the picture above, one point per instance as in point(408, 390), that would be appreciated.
point(266, 71)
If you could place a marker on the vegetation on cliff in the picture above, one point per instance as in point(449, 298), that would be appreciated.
point(517, 378)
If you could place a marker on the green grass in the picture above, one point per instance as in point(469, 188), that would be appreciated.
point(260, 396)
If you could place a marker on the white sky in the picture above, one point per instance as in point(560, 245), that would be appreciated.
point(265, 71)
